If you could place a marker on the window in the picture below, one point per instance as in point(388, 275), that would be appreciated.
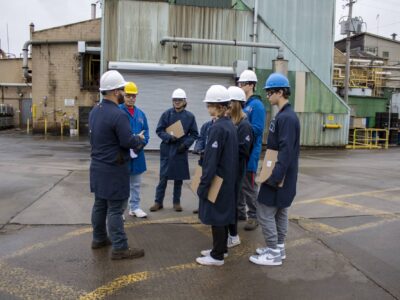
point(385, 54)
point(90, 73)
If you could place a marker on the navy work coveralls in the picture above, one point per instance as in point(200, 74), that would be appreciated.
point(284, 137)
point(110, 139)
point(174, 164)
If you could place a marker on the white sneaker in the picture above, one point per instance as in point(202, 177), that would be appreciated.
point(138, 213)
point(233, 241)
point(281, 247)
point(271, 257)
point(209, 261)
point(208, 253)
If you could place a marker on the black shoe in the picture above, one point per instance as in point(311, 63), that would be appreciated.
point(98, 245)
point(127, 253)
point(196, 211)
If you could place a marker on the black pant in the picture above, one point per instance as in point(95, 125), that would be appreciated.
point(220, 238)
point(233, 229)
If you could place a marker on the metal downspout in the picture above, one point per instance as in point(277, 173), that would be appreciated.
point(255, 21)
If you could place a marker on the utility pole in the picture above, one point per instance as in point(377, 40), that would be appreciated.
point(348, 40)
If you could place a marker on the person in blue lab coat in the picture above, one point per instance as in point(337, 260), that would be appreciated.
point(174, 164)
point(220, 158)
point(138, 122)
point(256, 115)
point(110, 140)
point(245, 139)
point(273, 201)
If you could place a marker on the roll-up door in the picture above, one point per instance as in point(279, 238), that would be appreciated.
point(155, 90)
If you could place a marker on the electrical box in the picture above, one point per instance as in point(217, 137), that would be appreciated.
point(239, 66)
point(354, 26)
point(81, 47)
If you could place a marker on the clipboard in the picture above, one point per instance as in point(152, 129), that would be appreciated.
point(215, 186)
point(268, 165)
point(176, 129)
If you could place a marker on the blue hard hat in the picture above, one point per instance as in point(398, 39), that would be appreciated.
point(276, 80)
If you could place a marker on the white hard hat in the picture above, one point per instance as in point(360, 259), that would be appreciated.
point(217, 94)
point(248, 76)
point(236, 93)
point(179, 94)
point(111, 80)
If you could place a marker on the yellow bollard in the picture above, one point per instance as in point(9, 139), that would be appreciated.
point(45, 126)
point(27, 126)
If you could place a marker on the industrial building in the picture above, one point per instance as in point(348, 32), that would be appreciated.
point(162, 45)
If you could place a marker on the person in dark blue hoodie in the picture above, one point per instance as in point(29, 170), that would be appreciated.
point(138, 122)
point(111, 139)
point(256, 115)
point(274, 199)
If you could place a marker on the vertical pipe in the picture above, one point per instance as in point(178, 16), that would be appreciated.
point(348, 41)
point(93, 5)
point(255, 20)
point(27, 126)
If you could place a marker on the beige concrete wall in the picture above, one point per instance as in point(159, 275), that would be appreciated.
point(55, 73)
point(11, 70)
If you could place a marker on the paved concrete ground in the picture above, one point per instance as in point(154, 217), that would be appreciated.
point(343, 243)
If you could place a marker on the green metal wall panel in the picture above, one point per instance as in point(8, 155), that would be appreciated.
point(206, 3)
point(367, 106)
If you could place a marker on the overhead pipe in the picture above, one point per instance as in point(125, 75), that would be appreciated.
point(168, 39)
point(25, 49)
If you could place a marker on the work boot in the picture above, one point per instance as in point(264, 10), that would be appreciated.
point(129, 253)
point(98, 245)
point(177, 207)
point(196, 211)
point(251, 224)
point(156, 206)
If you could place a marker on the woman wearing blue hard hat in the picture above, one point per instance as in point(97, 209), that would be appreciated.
point(274, 199)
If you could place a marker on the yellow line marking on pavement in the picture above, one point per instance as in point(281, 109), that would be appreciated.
point(42, 245)
point(25, 285)
point(387, 219)
point(318, 227)
point(385, 196)
point(346, 196)
point(116, 284)
point(81, 231)
point(123, 281)
point(356, 207)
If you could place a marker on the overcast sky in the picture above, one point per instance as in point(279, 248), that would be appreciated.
point(382, 17)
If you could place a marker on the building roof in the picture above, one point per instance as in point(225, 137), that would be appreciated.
point(355, 53)
point(372, 35)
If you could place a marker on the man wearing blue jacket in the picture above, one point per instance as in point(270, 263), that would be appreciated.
point(110, 140)
point(138, 122)
point(273, 199)
point(256, 114)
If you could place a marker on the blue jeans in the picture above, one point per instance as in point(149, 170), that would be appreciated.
point(110, 210)
point(134, 200)
point(161, 187)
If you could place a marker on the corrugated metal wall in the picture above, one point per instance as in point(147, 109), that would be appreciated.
point(313, 134)
point(307, 26)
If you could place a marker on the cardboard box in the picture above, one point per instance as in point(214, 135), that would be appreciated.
point(214, 188)
point(358, 122)
point(268, 165)
point(176, 129)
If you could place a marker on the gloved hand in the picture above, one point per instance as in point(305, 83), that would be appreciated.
point(173, 139)
point(181, 148)
point(202, 192)
point(271, 184)
point(138, 148)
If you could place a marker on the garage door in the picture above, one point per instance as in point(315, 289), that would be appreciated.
point(155, 90)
